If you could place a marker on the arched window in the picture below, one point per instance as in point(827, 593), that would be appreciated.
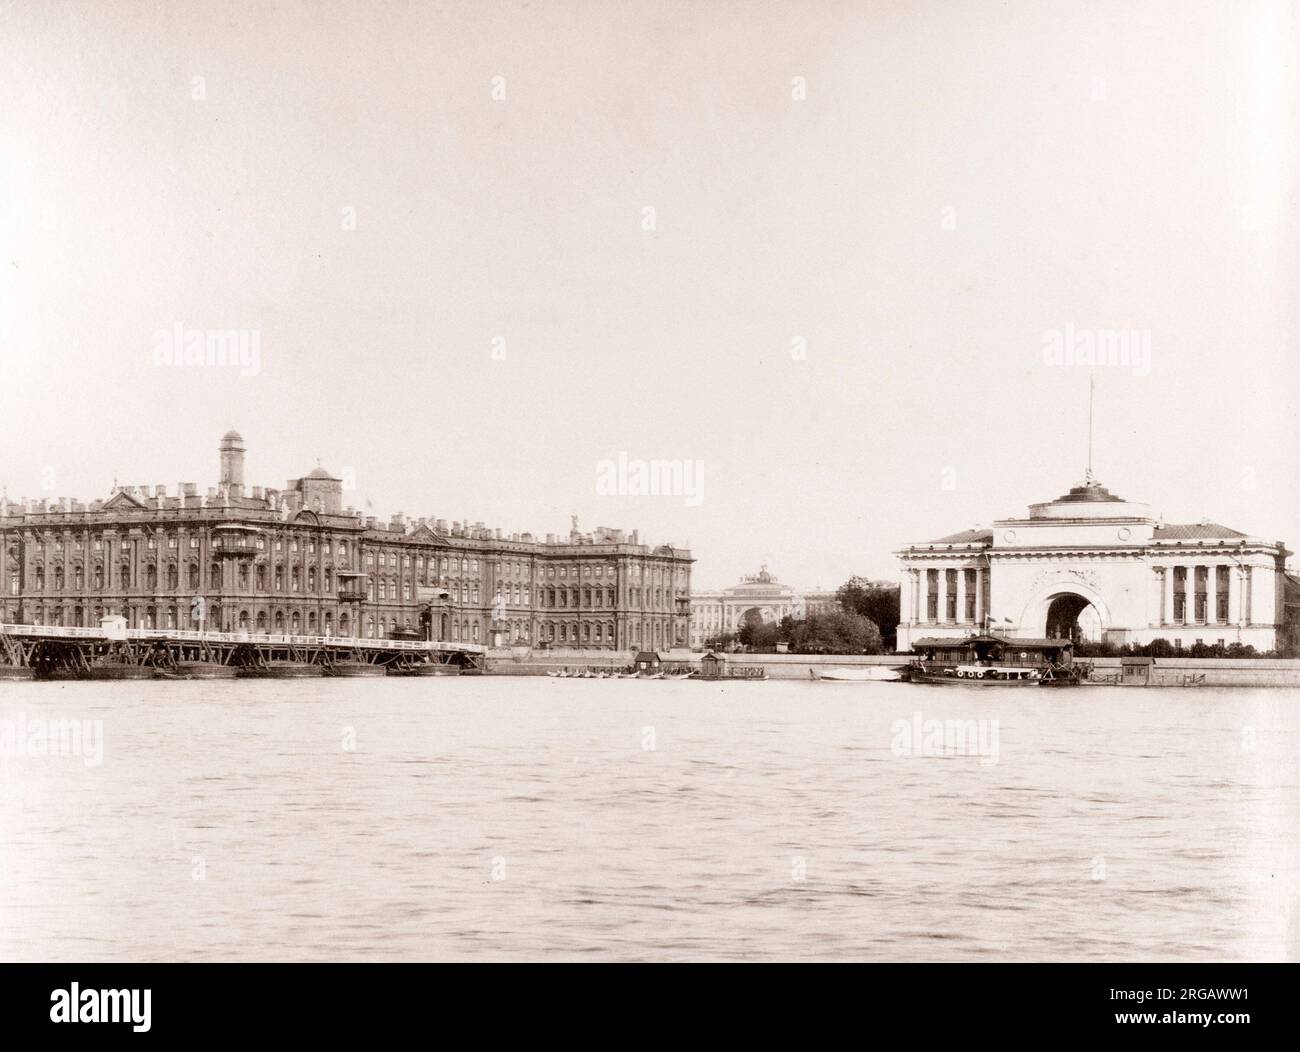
point(58, 578)
point(370, 628)
point(311, 579)
point(194, 577)
point(261, 577)
point(124, 576)
point(171, 617)
point(173, 577)
point(150, 617)
point(261, 620)
point(279, 621)
point(243, 620)
point(214, 577)
point(295, 579)
point(345, 625)
point(243, 577)
point(99, 578)
point(295, 623)
point(311, 623)
point(40, 578)
point(329, 623)
point(475, 631)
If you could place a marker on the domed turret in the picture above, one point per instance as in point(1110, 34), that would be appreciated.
point(232, 462)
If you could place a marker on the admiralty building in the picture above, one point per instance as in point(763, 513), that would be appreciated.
point(296, 561)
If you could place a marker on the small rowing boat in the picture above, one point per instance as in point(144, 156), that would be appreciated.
point(869, 674)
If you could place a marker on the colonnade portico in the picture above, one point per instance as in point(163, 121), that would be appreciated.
point(1205, 593)
point(1144, 578)
point(921, 589)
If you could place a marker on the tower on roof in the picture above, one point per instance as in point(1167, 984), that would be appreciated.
point(321, 491)
point(232, 462)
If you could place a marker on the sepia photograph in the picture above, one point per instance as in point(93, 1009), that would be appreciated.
point(622, 482)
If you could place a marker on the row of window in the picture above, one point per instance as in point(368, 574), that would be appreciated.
point(242, 540)
point(294, 623)
point(382, 589)
point(77, 579)
point(426, 568)
point(950, 595)
point(1191, 596)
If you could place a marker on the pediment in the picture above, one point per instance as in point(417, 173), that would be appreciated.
point(122, 500)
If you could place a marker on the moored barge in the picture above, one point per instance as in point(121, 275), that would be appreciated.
point(995, 661)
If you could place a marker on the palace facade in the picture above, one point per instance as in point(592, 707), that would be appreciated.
point(1092, 565)
point(297, 561)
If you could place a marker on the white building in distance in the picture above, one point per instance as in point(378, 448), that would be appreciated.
point(759, 597)
point(1092, 565)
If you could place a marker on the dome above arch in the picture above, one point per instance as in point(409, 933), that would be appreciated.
point(1089, 500)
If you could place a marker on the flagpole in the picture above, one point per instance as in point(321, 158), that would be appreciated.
point(1092, 384)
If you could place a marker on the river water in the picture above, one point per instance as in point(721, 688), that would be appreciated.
point(518, 818)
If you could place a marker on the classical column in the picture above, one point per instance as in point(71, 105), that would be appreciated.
point(979, 595)
point(905, 596)
point(1247, 597)
point(941, 607)
point(961, 596)
point(1167, 614)
point(1211, 595)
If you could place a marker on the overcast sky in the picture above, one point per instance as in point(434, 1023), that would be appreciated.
point(870, 223)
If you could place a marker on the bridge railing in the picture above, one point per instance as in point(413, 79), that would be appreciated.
point(188, 635)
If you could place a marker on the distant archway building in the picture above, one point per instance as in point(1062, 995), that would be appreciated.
point(1094, 565)
point(757, 596)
